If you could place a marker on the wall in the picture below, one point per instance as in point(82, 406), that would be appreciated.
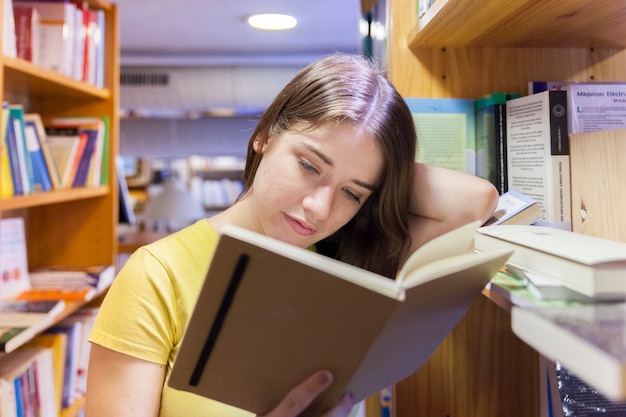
point(172, 138)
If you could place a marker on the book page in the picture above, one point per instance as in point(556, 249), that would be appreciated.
point(449, 244)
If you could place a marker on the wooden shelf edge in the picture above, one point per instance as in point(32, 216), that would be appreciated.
point(519, 23)
point(17, 68)
point(52, 197)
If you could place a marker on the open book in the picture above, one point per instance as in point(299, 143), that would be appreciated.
point(269, 314)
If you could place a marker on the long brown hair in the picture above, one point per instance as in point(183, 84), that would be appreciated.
point(352, 88)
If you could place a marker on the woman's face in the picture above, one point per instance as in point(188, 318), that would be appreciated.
point(311, 183)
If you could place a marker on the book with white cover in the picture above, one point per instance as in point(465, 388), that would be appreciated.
point(589, 265)
point(586, 339)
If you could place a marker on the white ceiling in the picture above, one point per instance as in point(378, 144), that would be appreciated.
point(207, 32)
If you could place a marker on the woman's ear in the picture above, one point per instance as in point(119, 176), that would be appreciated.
point(259, 145)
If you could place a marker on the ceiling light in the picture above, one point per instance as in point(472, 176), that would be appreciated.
point(272, 21)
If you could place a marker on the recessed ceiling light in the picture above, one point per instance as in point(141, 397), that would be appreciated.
point(271, 21)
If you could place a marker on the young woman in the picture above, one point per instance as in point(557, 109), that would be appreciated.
point(330, 165)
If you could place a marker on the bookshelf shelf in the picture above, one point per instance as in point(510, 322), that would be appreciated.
point(52, 197)
point(23, 78)
point(521, 23)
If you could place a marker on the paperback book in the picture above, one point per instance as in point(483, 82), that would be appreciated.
point(268, 306)
point(588, 265)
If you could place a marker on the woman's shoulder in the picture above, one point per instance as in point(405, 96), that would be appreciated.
point(199, 235)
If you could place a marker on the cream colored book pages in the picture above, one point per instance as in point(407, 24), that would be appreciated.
point(597, 178)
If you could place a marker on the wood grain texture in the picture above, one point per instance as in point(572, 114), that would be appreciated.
point(598, 184)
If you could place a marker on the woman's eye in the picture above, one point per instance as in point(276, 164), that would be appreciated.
point(352, 196)
point(307, 166)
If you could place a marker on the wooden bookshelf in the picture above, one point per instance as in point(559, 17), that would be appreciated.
point(465, 49)
point(73, 226)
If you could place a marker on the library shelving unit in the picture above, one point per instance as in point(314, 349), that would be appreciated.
point(74, 226)
point(465, 49)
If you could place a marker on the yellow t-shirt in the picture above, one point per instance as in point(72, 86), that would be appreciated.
point(145, 313)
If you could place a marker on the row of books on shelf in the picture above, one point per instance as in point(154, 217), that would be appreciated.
point(63, 153)
point(63, 36)
point(49, 372)
point(44, 328)
point(519, 142)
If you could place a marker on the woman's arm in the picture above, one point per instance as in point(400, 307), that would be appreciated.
point(444, 199)
point(122, 385)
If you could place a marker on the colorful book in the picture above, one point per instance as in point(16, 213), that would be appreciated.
point(13, 154)
point(19, 313)
point(27, 32)
point(538, 153)
point(268, 305)
point(41, 174)
point(491, 158)
point(57, 343)
point(65, 145)
point(50, 294)
point(6, 180)
point(58, 32)
point(13, 258)
point(26, 165)
point(31, 373)
point(34, 119)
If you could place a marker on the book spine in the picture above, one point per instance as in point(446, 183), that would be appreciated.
point(559, 154)
point(82, 168)
point(40, 169)
point(14, 158)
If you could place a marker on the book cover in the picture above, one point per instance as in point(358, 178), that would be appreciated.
point(27, 32)
point(491, 157)
point(57, 343)
point(13, 337)
point(588, 265)
point(515, 208)
point(42, 179)
point(6, 180)
point(91, 131)
point(268, 306)
point(26, 166)
point(65, 146)
point(31, 373)
point(592, 106)
point(34, 119)
point(446, 132)
point(73, 333)
point(58, 33)
point(72, 277)
point(50, 294)
point(13, 154)
point(587, 339)
point(19, 313)
point(538, 153)
point(13, 258)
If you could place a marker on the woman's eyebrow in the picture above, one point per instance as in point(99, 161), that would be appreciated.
point(329, 161)
point(325, 158)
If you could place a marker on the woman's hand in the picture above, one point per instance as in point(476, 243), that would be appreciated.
point(299, 398)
